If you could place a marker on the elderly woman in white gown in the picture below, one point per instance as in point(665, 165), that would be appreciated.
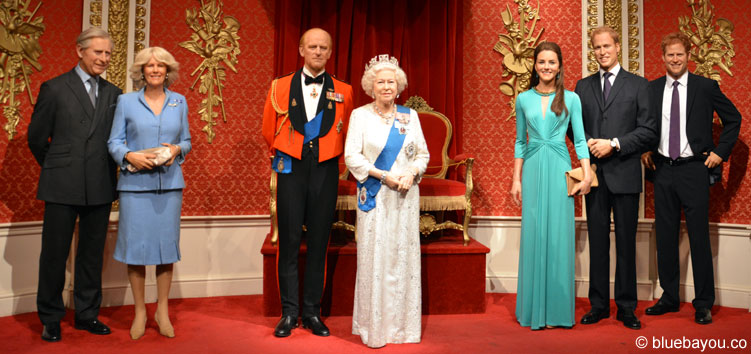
point(386, 152)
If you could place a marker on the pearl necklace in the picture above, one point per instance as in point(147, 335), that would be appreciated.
point(386, 118)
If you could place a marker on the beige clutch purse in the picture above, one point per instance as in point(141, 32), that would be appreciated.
point(162, 153)
point(576, 175)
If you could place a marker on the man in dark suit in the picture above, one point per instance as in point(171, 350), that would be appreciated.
point(616, 123)
point(68, 137)
point(684, 105)
point(304, 124)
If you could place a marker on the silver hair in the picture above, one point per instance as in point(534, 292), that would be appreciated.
point(368, 77)
point(161, 55)
point(84, 39)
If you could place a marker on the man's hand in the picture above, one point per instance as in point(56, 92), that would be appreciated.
point(600, 148)
point(712, 160)
point(646, 160)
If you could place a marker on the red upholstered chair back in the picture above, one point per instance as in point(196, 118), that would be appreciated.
point(437, 131)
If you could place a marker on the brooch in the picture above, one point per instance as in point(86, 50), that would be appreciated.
point(333, 96)
point(409, 150)
point(363, 195)
point(403, 118)
point(173, 103)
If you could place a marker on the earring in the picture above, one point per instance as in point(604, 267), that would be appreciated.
point(166, 76)
point(558, 76)
point(143, 78)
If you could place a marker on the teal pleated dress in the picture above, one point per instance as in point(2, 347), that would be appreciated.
point(545, 289)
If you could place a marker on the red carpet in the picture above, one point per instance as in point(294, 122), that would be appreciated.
point(235, 324)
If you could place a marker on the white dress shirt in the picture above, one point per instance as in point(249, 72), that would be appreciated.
point(615, 70)
point(667, 100)
point(311, 103)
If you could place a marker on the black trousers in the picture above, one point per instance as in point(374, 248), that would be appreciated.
point(307, 196)
point(625, 217)
point(57, 234)
point(684, 186)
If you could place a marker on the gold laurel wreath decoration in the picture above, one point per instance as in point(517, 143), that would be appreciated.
point(19, 52)
point(517, 48)
point(713, 46)
point(215, 39)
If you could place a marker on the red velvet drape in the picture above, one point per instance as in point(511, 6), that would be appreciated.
point(425, 35)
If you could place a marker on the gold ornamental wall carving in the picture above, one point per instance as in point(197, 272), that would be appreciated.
point(214, 39)
point(517, 47)
point(118, 29)
point(713, 40)
point(139, 35)
point(611, 13)
point(19, 52)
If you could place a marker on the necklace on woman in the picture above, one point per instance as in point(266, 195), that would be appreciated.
point(544, 93)
point(386, 118)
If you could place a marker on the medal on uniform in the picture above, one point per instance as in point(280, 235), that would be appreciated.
point(339, 126)
point(333, 96)
point(363, 195)
point(313, 93)
point(294, 103)
point(330, 106)
point(280, 165)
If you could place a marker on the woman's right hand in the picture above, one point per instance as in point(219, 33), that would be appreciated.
point(140, 161)
point(392, 181)
point(516, 192)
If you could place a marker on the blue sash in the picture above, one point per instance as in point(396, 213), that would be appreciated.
point(367, 191)
point(282, 162)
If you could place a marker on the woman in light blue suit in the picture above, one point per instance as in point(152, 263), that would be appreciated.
point(150, 192)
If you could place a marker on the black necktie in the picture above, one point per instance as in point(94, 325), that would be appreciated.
point(309, 80)
point(606, 86)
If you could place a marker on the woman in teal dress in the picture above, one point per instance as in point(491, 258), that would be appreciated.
point(545, 289)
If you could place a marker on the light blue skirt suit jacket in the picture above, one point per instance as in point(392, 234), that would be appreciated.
point(150, 200)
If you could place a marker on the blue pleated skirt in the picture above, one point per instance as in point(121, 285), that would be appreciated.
point(149, 227)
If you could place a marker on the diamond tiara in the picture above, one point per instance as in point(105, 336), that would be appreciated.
point(382, 58)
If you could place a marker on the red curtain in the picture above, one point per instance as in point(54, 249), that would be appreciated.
point(425, 35)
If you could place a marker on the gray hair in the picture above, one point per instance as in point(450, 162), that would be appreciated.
point(84, 39)
point(368, 77)
point(161, 55)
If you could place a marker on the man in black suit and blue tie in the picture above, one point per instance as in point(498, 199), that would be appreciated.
point(68, 137)
point(682, 161)
point(615, 112)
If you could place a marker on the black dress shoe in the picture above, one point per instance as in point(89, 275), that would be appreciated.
point(594, 316)
point(316, 325)
point(703, 316)
point(285, 326)
point(51, 332)
point(629, 319)
point(660, 308)
point(93, 326)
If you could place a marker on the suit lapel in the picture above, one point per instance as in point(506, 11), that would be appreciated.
point(297, 104)
point(618, 84)
point(328, 106)
point(691, 89)
point(594, 82)
point(657, 95)
point(79, 91)
point(103, 93)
